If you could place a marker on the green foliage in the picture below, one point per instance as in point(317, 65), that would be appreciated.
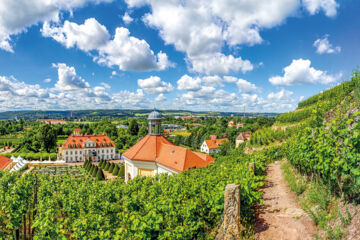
point(94, 173)
point(133, 127)
point(111, 168)
point(115, 170)
point(121, 172)
point(107, 166)
point(267, 136)
point(187, 205)
point(100, 174)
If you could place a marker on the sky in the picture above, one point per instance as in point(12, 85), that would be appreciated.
point(201, 55)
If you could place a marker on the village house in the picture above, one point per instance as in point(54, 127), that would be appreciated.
point(78, 148)
point(213, 144)
point(155, 154)
point(242, 137)
point(231, 123)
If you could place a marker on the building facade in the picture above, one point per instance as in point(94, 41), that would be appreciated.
point(212, 145)
point(155, 154)
point(78, 148)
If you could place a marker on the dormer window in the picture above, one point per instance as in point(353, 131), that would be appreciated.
point(69, 145)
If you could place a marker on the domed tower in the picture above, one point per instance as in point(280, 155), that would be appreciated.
point(154, 120)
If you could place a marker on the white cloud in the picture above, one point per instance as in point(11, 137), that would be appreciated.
point(328, 6)
point(300, 72)
point(105, 85)
point(127, 19)
point(13, 87)
point(212, 80)
point(47, 80)
point(18, 15)
point(88, 36)
point(219, 64)
point(124, 51)
point(282, 95)
point(132, 99)
point(201, 28)
point(160, 98)
point(187, 83)
point(68, 79)
point(154, 85)
point(324, 46)
point(243, 85)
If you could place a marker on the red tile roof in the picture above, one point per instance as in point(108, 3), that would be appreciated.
point(77, 141)
point(4, 162)
point(213, 144)
point(158, 149)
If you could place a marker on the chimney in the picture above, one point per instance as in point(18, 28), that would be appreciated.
point(213, 138)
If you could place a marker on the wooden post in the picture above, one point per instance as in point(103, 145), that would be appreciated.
point(231, 227)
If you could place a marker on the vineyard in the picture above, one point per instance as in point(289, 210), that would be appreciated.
point(267, 136)
point(329, 149)
point(188, 205)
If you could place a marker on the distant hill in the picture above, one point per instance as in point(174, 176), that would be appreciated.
point(115, 113)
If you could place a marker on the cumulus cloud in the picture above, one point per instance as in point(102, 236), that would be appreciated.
point(328, 6)
point(201, 28)
point(154, 85)
point(68, 79)
point(187, 83)
point(47, 80)
point(18, 15)
point(160, 98)
point(243, 85)
point(324, 46)
point(282, 95)
point(127, 19)
point(300, 72)
point(124, 51)
point(136, 99)
point(219, 64)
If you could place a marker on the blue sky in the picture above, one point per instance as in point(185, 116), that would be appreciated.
point(194, 54)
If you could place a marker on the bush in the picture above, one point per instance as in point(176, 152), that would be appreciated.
point(94, 173)
point(107, 165)
point(115, 170)
point(121, 172)
point(100, 174)
point(111, 168)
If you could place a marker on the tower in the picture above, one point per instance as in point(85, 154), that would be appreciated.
point(154, 120)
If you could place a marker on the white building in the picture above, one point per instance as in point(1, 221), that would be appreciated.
point(78, 148)
point(156, 154)
point(212, 145)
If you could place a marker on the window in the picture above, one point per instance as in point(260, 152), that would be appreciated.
point(66, 158)
point(71, 152)
point(75, 152)
point(107, 150)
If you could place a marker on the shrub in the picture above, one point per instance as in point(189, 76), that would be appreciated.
point(94, 173)
point(100, 174)
point(111, 168)
point(107, 166)
point(121, 172)
point(115, 170)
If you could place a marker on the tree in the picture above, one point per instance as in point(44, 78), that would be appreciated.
point(115, 170)
point(111, 168)
point(47, 137)
point(100, 175)
point(107, 165)
point(121, 172)
point(225, 147)
point(94, 173)
point(143, 131)
point(133, 127)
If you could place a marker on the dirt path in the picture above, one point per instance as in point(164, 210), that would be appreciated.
point(281, 217)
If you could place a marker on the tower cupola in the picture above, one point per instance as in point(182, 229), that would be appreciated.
point(154, 120)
